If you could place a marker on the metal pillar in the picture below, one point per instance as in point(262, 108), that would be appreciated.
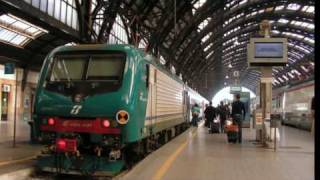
point(265, 99)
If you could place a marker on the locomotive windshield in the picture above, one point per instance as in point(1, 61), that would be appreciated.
point(83, 68)
point(85, 73)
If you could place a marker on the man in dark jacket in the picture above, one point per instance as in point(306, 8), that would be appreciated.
point(238, 113)
point(210, 113)
point(223, 115)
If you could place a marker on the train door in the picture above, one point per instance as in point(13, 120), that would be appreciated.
point(151, 104)
point(188, 107)
point(5, 94)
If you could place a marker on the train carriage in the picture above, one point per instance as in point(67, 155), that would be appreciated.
point(98, 107)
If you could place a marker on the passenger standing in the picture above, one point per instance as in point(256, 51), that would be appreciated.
point(223, 115)
point(195, 114)
point(210, 113)
point(313, 115)
point(238, 114)
point(227, 110)
point(206, 122)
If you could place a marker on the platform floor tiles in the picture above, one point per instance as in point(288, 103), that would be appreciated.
point(22, 131)
point(197, 155)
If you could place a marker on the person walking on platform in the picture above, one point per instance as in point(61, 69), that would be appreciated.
point(223, 115)
point(206, 122)
point(210, 113)
point(238, 113)
point(227, 110)
point(195, 114)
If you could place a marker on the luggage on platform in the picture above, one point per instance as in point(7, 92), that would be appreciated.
point(232, 132)
point(214, 127)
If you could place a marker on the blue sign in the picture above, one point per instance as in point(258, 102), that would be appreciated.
point(9, 68)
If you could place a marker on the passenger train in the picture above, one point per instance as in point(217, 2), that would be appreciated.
point(294, 104)
point(101, 107)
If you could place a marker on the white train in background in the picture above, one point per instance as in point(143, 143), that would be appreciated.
point(195, 97)
point(294, 104)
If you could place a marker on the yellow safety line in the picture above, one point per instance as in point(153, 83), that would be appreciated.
point(2, 163)
point(166, 165)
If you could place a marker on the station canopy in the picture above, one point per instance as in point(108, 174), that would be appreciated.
point(203, 41)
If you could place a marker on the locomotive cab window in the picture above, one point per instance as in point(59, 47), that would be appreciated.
point(92, 72)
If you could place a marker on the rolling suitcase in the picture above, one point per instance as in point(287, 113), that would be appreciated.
point(214, 127)
point(232, 133)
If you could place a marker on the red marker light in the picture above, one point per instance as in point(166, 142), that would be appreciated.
point(51, 121)
point(61, 144)
point(106, 123)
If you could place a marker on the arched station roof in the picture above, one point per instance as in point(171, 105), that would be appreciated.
point(204, 41)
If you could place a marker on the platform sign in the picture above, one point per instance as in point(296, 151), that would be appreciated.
point(258, 119)
point(235, 89)
point(9, 68)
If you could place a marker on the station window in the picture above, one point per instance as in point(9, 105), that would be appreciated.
point(62, 10)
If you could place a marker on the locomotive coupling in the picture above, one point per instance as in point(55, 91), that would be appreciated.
point(98, 151)
point(114, 154)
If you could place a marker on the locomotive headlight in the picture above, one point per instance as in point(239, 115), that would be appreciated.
point(122, 117)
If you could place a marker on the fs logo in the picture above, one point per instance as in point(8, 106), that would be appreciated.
point(75, 109)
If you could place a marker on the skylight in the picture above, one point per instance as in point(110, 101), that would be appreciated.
point(285, 77)
point(283, 21)
point(302, 24)
point(16, 31)
point(304, 68)
point(293, 6)
point(203, 24)
point(209, 46)
point(309, 40)
point(206, 37)
point(275, 31)
point(199, 3)
point(281, 80)
point(209, 54)
point(278, 8)
point(290, 75)
point(309, 9)
point(243, 1)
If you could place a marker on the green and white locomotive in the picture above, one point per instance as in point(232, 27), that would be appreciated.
point(98, 107)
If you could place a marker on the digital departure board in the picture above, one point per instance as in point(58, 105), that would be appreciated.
point(267, 52)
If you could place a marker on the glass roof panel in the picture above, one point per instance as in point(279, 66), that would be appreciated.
point(199, 3)
point(283, 21)
point(20, 25)
point(16, 31)
point(293, 6)
point(278, 8)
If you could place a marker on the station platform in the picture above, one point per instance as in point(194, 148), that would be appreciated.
point(197, 155)
point(16, 162)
